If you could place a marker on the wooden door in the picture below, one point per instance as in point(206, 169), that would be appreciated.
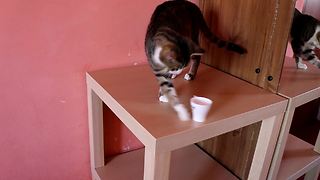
point(263, 28)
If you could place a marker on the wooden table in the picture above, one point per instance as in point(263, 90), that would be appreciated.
point(293, 156)
point(169, 153)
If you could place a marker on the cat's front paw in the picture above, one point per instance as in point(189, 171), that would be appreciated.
point(182, 111)
point(302, 66)
point(175, 73)
point(173, 76)
point(188, 77)
point(163, 99)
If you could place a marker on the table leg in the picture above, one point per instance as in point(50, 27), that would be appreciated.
point(156, 164)
point(318, 115)
point(264, 149)
point(312, 174)
point(281, 144)
point(317, 144)
point(95, 113)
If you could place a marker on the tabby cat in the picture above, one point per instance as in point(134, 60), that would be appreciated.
point(305, 38)
point(172, 41)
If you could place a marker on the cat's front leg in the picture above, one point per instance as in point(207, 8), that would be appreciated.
point(194, 67)
point(315, 62)
point(175, 73)
point(162, 97)
point(168, 94)
point(300, 64)
point(312, 57)
point(182, 111)
point(172, 98)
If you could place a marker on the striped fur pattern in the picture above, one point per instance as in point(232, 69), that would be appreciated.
point(172, 42)
point(305, 38)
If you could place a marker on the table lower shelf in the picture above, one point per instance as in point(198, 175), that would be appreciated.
point(298, 158)
point(189, 163)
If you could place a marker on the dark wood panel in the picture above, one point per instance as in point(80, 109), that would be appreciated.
point(235, 149)
point(263, 28)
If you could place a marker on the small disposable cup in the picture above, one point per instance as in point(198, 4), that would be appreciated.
point(200, 107)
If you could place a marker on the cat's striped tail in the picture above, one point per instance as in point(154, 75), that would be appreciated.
point(216, 40)
point(230, 46)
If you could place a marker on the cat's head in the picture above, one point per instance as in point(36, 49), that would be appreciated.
point(170, 55)
point(177, 55)
point(318, 37)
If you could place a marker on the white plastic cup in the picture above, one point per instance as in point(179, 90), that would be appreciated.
point(200, 107)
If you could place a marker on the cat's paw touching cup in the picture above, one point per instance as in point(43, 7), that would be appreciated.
point(200, 107)
point(163, 99)
point(188, 77)
point(182, 111)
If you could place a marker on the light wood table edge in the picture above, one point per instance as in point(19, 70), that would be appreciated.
point(317, 145)
point(155, 157)
point(266, 143)
point(141, 133)
point(314, 173)
point(198, 168)
point(281, 142)
point(293, 103)
point(95, 131)
point(212, 130)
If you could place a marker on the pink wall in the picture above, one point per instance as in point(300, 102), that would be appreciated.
point(45, 49)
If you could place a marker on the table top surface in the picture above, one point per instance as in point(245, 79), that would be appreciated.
point(236, 103)
point(298, 82)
